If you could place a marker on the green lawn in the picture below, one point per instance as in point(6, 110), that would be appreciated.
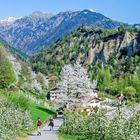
point(34, 109)
point(40, 111)
point(37, 111)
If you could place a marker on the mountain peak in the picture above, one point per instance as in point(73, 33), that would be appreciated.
point(39, 30)
point(89, 10)
point(39, 14)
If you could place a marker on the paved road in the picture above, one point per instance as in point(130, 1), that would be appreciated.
point(46, 133)
point(126, 111)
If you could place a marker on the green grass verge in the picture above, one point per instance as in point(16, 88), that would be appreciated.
point(40, 111)
point(34, 109)
point(72, 137)
point(37, 111)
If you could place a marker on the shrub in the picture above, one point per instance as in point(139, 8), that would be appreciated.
point(130, 92)
point(7, 75)
point(12, 120)
point(18, 100)
point(111, 90)
point(100, 126)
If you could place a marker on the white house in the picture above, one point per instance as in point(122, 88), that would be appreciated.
point(54, 94)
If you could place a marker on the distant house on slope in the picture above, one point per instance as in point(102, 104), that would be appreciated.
point(92, 99)
point(54, 94)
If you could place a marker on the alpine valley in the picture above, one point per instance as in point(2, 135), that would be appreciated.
point(80, 64)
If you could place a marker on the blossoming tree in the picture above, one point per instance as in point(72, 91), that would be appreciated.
point(74, 85)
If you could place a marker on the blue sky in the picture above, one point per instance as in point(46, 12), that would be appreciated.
point(121, 10)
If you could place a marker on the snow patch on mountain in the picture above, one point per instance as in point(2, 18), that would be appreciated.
point(91, 10)
point(9, 20)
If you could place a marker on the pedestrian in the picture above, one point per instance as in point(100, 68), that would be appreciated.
point(51, 124)
point(121, 99)
point(39, 123)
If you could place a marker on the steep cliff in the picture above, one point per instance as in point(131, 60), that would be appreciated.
point(111, 57)
point(88, 45)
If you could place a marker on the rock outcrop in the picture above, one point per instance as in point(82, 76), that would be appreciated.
point(124, 42)
point(88, 45)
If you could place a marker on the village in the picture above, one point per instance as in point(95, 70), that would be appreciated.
point(84, 96)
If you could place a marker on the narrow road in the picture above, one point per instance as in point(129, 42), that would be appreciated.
point(46, 133)
point(126, 111)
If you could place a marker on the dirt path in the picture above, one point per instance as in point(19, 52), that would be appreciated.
point(46, 133)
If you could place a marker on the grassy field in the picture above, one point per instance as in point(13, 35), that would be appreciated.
point(34, 109)
point(40, 111)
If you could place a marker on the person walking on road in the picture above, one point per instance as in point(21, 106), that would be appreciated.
point(121, 98)
point(39, 123)
point(51, 124)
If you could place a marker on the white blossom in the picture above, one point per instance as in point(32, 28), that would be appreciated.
point(74, 85)
point(12, 119)
point(36, 85)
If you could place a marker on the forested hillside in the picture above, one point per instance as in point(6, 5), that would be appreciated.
point(17, 53)
point(21, 93)
point(111, 56)
point(7, 75)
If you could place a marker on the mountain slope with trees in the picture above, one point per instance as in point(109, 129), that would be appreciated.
point(38, 30)
point(7, 75)
point(111, 56)
point(21, 91)
point(17, 53)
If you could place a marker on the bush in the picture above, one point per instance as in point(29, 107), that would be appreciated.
point(18, 100)
point(7, 75)
point(100, 126)
point(12, 120)
point(111, 90)
point(130, 92)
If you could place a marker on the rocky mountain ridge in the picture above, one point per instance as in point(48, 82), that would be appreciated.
point(38, 30)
